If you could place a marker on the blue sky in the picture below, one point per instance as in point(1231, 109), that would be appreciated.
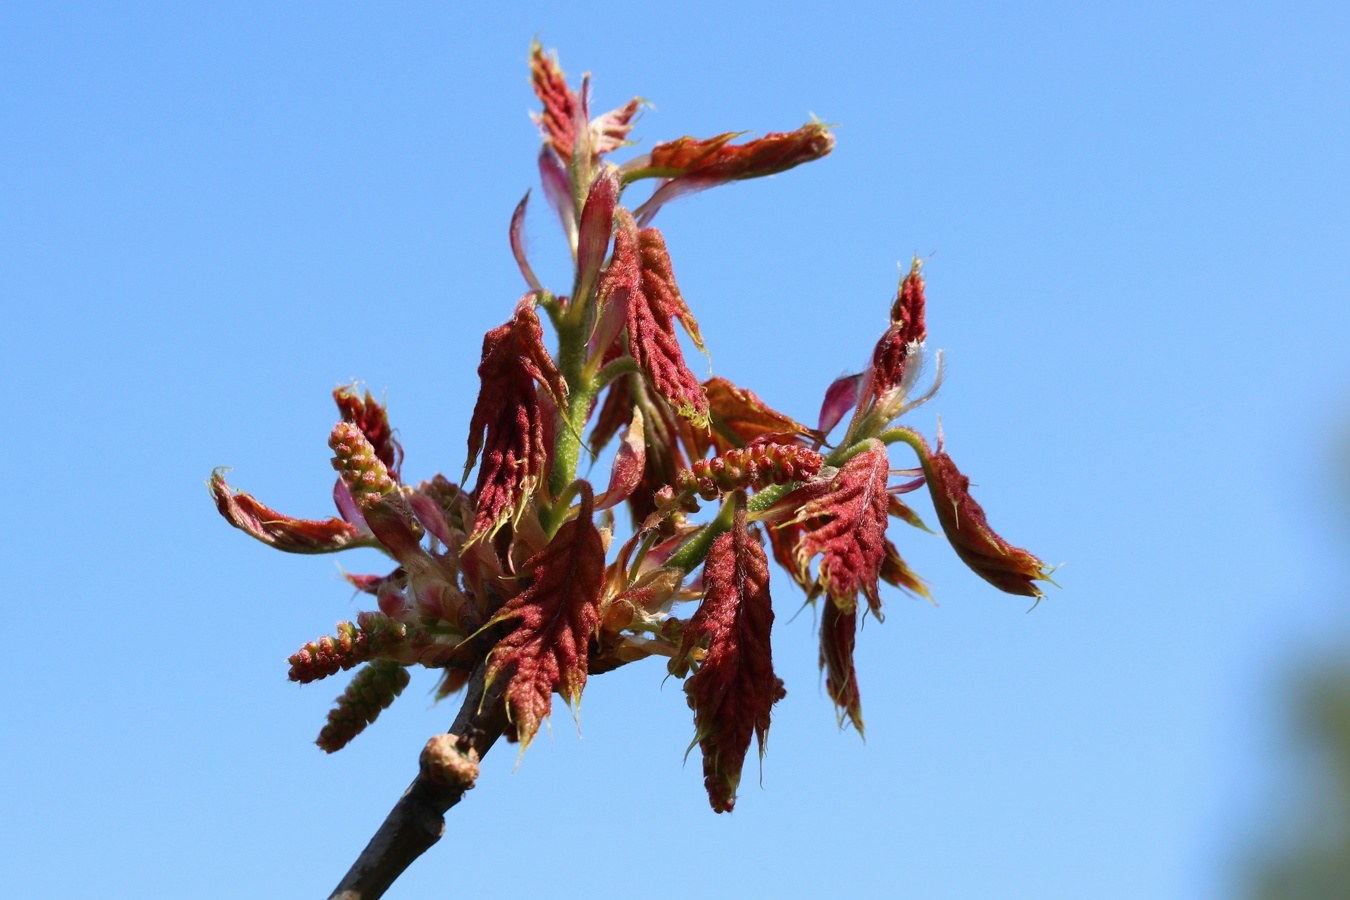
point(1137, 222)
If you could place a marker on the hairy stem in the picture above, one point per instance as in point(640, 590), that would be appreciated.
point(417, 820)
point(692, 553)
point(572, 339)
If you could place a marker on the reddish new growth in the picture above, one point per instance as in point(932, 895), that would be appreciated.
point(513, 583)
point(640, 279)
point(901, 341)
point(846, 528)
point(508, 420)
point(838, 632)
point(1006, 567)
point(735, 687)
point(554, 618)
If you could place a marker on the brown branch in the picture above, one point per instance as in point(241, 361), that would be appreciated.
point(449, 766)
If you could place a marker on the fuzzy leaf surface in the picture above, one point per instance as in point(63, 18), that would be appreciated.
point(554, 619)
point(735, 687)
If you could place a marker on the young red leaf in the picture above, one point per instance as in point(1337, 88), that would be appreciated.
point(897, 347)
point(735, 687)
point(610, 131)
point(557, 120)
point(629, 462)
point(738, 417)
point(597, 221)
point(841, 398)
point(554, 620)
point(847, 528)
point(998, 562)
point(558, 190)
point(640, 271)
point(508, 419)
point(564, 111)
point(281, 531)
point(838, 632)
point(719, 158)
point(517, 234)
point(694, 165)
point(895, 571)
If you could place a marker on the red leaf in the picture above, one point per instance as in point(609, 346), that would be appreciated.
point(695, 165)
point(517, 234)
point(739, 417)
point(610, 131)
point(555, 617)
point(559, 120)
point(840, 397)
point(898, 345)
point(998, 562)
point(775, 152)
point(560, 102)
point(281, 531)
point(847, 528)
point(640, 271)
point(597, 221)
point(508, 419)
point(629, 463)
point(838, 632)
point(735, 688)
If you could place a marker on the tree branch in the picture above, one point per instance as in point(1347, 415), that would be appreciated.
point(448, 768)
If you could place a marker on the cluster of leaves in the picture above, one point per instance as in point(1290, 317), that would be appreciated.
point(516, 573)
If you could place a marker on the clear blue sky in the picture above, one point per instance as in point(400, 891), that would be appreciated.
point(1138, 224)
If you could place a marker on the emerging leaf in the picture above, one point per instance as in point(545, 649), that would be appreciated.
point(694, 165)
point(281, 531)
point(847, 528)
point(841, 398)
point(662, 456)
point(629, 463)
point(562, 110)
point(898, 346)
point(998, 562)
point(718, 158)
point(508, 419)
point(554, 620)
point(560, 102)
point(838, 632)
point(735, 687)
point(739, 417)
point(640, 271)
point(895, 571)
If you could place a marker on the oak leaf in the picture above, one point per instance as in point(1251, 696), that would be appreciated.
point(554, 620)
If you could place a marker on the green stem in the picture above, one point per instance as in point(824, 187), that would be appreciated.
point(581, 391)
point(901, 434)
point(692, 553)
